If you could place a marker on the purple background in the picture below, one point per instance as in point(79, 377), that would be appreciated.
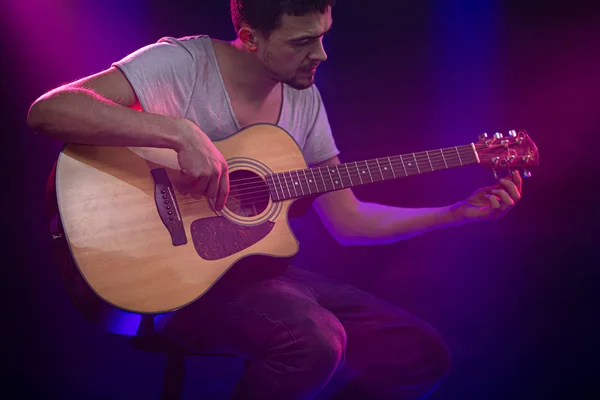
point(516, 299)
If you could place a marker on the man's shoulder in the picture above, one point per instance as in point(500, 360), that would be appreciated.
point(197, 48)
point(190, 43)
point(191, 39)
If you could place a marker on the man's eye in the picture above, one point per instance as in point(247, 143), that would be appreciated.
point(301, 42)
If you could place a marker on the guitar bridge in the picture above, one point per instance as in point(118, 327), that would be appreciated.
point(168, 209)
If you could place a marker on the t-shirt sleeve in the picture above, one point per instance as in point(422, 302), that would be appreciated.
point(320, 144)
point(162, 75)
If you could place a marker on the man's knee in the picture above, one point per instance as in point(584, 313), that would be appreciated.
point(429, 360)
point(436, 357)
point(415, 356)
point(319, 347)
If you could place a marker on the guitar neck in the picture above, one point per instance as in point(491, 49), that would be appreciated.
point(318, 180)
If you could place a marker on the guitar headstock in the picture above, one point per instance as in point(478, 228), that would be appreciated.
point(514, 151)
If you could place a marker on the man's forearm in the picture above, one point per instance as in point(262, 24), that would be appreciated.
point(380, 224)
point(77, 115)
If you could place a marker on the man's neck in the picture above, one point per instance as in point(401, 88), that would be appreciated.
point(247, 75)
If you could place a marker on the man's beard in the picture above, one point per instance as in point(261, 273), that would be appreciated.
point(293, 81)
point(299, 85)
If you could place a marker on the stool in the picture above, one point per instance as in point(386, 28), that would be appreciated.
point(174, 371)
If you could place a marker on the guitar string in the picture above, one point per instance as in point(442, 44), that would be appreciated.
point(263, 196)
point(424, 155)
point(420, 157)
point(354, 170)
point(288, 179)
point(302, 181)
point(306, 182)
point(264, 189)
point(264, 193)
point(396, 164)
point(237, 188)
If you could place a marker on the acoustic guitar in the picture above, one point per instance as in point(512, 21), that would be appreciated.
point(145, 243)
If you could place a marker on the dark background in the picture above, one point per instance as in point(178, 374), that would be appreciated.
point(516, 299)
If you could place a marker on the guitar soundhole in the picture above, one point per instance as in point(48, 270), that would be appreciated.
point(248, 194)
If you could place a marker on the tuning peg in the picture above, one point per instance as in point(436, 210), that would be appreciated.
point(495, 174)
point(512, 133)
point(526, 173)
point(483, 136)
point(498, 135)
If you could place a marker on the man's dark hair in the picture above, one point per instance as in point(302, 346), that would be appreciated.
point(265, 15)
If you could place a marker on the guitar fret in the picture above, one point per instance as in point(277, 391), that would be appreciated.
point(429, 159)
point(458, 153)
point(312, 171)
point(282, 191)
point(349, 175)
point(369, 171)
point(416, 163)
point(358, 171)
point(380, 171)
point(300, 183)
point(334, 182)
point(279, 194)
point(307, 182)
point(392, 170)
point(337, 168)
point(473, 152)
point(269, 179)
point(411, 168)
point(287, 185)
point(284, 185)
point(444, 158)
point(449, 156)
point(403, 166)
point(435, 162)
point(330, 177)
point(322, 179)
point(292, 183)
point(392, 167)
point(440, 162)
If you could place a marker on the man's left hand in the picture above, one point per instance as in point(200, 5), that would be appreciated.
point(490, 203)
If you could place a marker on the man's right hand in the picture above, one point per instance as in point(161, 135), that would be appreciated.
point(200, 160)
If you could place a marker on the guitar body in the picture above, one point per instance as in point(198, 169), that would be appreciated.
point(145, 243)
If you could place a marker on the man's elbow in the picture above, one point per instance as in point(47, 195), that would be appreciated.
point(35, 115)
point(342, 228)
point(345, 234)
point(46, 107)
point(348, 241)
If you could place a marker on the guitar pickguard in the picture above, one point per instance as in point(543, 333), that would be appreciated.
point(216, 237)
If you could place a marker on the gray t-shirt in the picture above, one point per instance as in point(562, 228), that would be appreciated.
point(179, 77)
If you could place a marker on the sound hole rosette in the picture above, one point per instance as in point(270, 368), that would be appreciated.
point(253, 188)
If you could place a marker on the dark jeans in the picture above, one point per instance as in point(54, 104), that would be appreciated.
point(298, 329)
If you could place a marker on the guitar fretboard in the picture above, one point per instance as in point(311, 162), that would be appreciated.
point(318, 180)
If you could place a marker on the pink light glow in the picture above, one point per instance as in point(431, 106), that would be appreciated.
point(65, 40)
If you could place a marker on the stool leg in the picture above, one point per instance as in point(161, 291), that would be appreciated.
point(173, 377)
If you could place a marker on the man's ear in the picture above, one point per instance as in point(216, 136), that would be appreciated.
point(248, 37)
